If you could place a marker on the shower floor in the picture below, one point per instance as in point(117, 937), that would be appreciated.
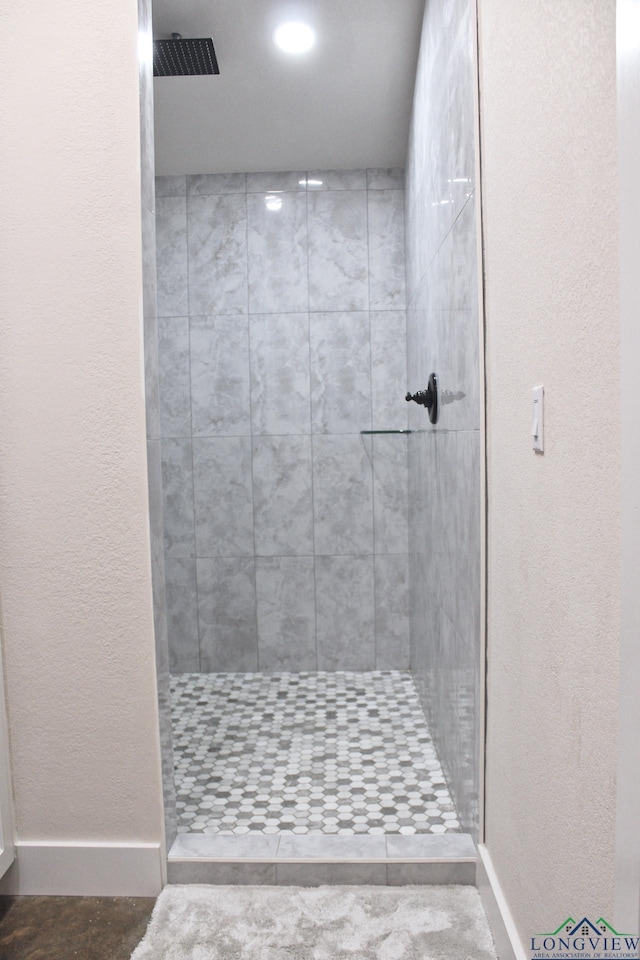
point(304, 753)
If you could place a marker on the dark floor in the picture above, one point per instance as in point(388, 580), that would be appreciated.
point(64, 928)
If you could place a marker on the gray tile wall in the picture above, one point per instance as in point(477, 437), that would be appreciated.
point(442, 335)
point(152, 399)
point(282, 335)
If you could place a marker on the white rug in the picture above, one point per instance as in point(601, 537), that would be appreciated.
point(322, 923)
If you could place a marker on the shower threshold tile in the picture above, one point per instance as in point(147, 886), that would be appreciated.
point(323, 848)
point(454, 846)
point(305, 757)
point(332, 848)
point(222, 847)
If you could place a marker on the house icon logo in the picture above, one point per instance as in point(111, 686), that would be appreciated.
point(586, 939)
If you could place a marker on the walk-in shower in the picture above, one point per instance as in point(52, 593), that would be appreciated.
point(321, 534)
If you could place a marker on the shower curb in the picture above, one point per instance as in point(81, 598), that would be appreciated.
point(314, 860)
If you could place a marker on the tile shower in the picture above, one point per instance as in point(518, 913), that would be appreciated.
point(282, 336)
point(443, 336)
point(316, 606)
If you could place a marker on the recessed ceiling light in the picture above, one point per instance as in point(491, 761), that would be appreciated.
point(294, 37)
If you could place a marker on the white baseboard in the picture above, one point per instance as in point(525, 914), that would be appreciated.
point(503, 929)
point(84, 870)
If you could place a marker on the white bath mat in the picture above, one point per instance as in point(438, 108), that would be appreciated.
point(322, 923)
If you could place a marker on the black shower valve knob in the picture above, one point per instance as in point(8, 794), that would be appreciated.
point(428, 398)
point(423, 397)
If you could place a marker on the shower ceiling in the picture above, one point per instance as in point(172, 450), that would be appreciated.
point(345, 104)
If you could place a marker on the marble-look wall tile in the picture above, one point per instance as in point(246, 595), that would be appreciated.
point(156, 537)
point(337, 180)
point(283, 512)
point(338, 254)
point(266, 400)
point(313, 874)
point(174, 376)
point(391, 178)
point(151, 372)
point(443, 335)
point(217, 254)
point(223, 498)
point(342, 495)
point(149, 260)
point(154, 479)
point(467, 612)
point(220, 392)
point(227, 614)
point(285, 589)
point(277, 238)
point(389, 383)
point(386, 249)
point(392, 612)
point(465, 341)
point(390, 494)
point(290, 180)
point(182, 615)
point(345, 613)
point(174, 186)
point(461, 107)
point(209, 184)
point(442, 873)
point(220, 872)
point(177, 501)
point(171, 256)
point(340, 372)
point(280, 390)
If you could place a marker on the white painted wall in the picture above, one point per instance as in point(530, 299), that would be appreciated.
point(75, 572)
point(627, 915)
point(548, 114)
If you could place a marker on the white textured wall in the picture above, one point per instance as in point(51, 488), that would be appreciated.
point(74, 562)
point(549, 196)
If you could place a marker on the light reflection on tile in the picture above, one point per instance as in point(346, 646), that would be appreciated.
point(277, 238)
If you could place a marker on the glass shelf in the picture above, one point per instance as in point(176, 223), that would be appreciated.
point(369, 433)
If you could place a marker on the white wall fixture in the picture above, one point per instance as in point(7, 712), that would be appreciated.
point(294, 38)
point(537, 419)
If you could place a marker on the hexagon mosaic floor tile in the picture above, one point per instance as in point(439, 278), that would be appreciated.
point(333, 753)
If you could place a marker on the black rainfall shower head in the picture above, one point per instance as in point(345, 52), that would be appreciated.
point(184, 58)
